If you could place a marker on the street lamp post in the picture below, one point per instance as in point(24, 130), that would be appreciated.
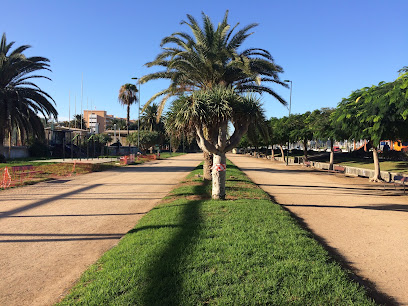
point(290, 106)
point(138, 118)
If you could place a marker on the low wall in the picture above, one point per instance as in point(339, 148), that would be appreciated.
point(15, 152)
point(353, 171)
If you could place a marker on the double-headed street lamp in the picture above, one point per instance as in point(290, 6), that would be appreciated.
point(138, 117)
point(290, 106)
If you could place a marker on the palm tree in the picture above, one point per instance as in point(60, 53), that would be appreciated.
point(127, 96)
point(21, 100)
point(78, 121)
point(149, 118)
point(210, 57)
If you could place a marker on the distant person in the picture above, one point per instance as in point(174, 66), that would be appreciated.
point(386, 148)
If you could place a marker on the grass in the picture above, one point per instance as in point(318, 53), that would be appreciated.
point(192, 250)
point(164, 155)
point(345, 159)
point(391, 166)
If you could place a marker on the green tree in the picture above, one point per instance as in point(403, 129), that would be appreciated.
point(21, 100)
point(147, 139)
point(120, 124)
point(259, 133)
point(300, 130)
point(150, 119)
point(323, 128)
point(376, 113)
point(211, 58)
point(78, 121)
point(127, 96)
point(209, 112)
point(280, 132)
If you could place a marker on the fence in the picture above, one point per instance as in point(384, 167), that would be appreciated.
point(23, 175)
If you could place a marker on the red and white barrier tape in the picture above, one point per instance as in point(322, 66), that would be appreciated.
point(219, 167)
point(6, 179)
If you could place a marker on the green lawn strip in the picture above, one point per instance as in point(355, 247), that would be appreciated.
point(164, 155)
point(391, 166)
point(191, 250)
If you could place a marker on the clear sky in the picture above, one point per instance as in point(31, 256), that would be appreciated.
point(327, 48)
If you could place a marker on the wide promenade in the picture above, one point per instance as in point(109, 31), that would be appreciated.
point(51, 232)
point(360, 221)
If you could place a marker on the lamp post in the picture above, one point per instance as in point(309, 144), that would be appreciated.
point(290, 106)
point(138, 117)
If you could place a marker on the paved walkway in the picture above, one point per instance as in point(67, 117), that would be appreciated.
point(365, 224)
point(51, 232)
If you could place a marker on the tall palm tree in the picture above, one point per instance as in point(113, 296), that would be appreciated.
point(128, 96)
point(21, 100)
point(210, 57)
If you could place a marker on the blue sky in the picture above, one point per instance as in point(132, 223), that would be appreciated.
point(327, 48)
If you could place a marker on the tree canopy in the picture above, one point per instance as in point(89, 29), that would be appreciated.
point(21, 100)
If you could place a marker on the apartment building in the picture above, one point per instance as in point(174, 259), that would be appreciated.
point(96, 120)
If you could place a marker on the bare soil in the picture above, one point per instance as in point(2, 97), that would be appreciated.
point(363, 224)
point(52, 231)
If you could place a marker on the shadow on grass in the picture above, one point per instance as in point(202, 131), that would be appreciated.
point(164, 282)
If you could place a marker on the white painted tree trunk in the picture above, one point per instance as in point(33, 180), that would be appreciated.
point(272, 154)
point(218, 177)
point(377, 173)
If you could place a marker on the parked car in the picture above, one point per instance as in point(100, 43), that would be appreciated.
point(336, 149)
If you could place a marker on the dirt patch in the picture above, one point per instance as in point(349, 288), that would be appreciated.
point(51, 232)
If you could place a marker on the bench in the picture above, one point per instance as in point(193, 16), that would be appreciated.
point(338, 169)
point(399, 179)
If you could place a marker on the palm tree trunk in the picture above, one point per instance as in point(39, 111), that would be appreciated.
point(128, 119)
point(208, 163)
point(377, 173)
point(331, 155)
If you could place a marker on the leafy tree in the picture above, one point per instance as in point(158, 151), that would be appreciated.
point(120, 124)
point(208, 59)
point(300, 130)
point(280, 132)
point(259, 132)
point(147, 139)
point(128, 96)
point(322, 127)
point(21, 100)
point(376, 113)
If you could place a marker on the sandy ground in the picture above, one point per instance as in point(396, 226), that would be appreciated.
point(358, 220)
point(51, 232)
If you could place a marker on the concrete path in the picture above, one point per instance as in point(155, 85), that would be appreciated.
point(51, 232)
point(365, 224)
